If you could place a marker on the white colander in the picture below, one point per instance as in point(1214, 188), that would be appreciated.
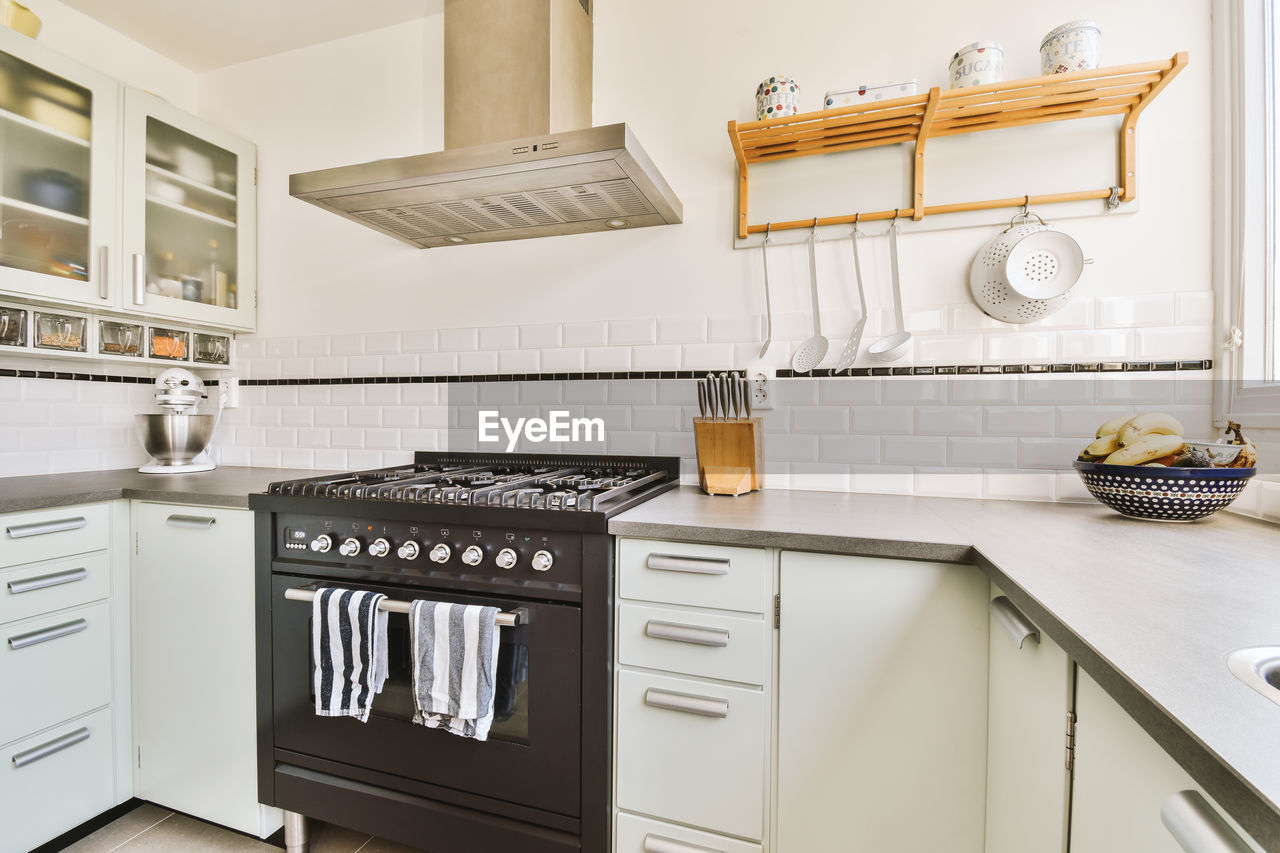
point(1026, 272)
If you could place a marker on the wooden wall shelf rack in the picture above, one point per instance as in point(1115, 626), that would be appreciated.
point(1120, 90)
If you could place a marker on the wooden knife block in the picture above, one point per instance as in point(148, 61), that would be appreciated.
point(730, 455)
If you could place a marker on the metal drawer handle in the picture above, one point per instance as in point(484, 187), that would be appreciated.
point(39, 528)
point(696, 634)
point(139, 279)
point(46, 581)
point(44, 750)
point(200, 522)
point(703, 706)
point(1197, 826)
point(44, 635)
point(1014, 623)
point(104, 278)
point(659, 844)
point(694, 565)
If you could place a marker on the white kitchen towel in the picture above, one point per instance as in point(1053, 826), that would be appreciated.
point(349, 648)
point(455, 663)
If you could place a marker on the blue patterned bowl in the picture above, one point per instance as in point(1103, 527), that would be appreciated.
point(1163, 494)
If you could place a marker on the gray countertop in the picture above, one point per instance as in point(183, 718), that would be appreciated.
point(1149, 610)
point(220, 487)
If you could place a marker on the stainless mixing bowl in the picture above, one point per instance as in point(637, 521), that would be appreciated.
point(175, 439)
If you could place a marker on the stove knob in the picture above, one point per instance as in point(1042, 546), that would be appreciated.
point(472, 556)
point(380, 548)
point(350, 547)
point(506, 558)
point(322, 543)
point(441, 553)
point(542, 561)
point(409, 550)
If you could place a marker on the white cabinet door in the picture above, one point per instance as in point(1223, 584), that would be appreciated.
point(59, 199)
point(882, 705)
point(1122, 778)
point(1028, 783)
point(194, 689)
point(189, 250)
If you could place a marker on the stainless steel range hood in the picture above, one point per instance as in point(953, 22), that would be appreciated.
point(513, 68)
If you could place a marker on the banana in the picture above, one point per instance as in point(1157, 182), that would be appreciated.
point(1152, 423)
point(1113, 426)
point(1145, 449)
point(1104, 446)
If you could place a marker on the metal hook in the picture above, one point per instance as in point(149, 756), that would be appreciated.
point(1026, 205)
point(814, 226)
point(894, 223)
point(767, 226)
point(856, 217)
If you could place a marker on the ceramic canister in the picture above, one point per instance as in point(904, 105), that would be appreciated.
point(977, 64)
point(1070, 47)
point(777, 96)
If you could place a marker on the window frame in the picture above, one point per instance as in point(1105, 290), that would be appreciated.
point(1246, 206)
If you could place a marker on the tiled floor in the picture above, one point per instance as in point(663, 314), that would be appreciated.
point(152, 828)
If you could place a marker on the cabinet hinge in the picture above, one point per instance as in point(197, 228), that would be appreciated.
point(255, 176)
point(139, 758)
point(777, 610)
point(135, 543)
point(1071, 740)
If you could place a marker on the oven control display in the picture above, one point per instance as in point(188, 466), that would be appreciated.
point(295, 538)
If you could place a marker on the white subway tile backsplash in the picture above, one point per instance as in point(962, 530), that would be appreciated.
point(364, 365)
point(312, 346)
point(296, 368)
point(949, 349)
point(1195, 309)
point(736, 328)
point(1048, 452)
point(1094, 346)
point(499, 337)
point(477, 363)
point(297, 416)
point(791, 447)
point(676, 444)
point(882, 420)
point(346, 345)
point(659, 418)
point(1032, 347)
point(1056, 391)
point(882, 479)
point(347, 395)
point(983, 390)
point(1134, 310)
point(282, 347)
point(264, 457)
point(425, 340)
point(819, 476)
point(296, 457)
point(1015, 485)
point(1121, 390)
point(634, 442)
point(823, 420)
point(264, 416)
point(563, 360)
point(401, 364)
point(682, 330)
point(248, 348)
point(1082, 422)
point(632, 332)
point(1018, 420)
point(948, 420)
point(948, 482)
point(1071, 488)
point(982, 452)
point(459, 340)
point(541, 336)
point(331, 459)
point(849, 448)
point(586, 334)
point(707, 356)
point(795, 392)
point(603, 359)
point(382, 394)
point(1076, 314)
point(914, 390)
point(382, 439)
point(851, 391)
point(660, 357)
point(491, 393)
point(313, 437)
point(329, 367)
point(913, 450)
point(633, 392)
point(1191, 342)
point(518, 361)
point(438, 363)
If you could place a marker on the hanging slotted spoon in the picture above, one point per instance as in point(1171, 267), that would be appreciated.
point(850, 353)
point(812, 350)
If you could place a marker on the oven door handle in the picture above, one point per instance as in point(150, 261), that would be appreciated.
point(504, 619)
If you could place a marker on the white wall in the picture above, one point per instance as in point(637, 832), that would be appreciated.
point(98, 46)
point(677, 72)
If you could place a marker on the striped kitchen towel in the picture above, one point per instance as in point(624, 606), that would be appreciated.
point(455, 661)
point(349, 648)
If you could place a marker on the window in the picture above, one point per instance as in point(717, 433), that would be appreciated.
point(1246, 228)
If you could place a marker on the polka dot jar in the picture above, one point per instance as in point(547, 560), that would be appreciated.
point(777, 96)
point(1163, 494)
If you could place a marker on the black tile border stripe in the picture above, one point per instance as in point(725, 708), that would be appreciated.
point(782, 373)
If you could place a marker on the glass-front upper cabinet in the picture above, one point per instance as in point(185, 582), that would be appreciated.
point(189, 217)
point(59, 145)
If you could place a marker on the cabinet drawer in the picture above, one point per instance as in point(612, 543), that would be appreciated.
point(694, 642)
point(26, 537)
point(642, 835)
point(35, 588)
point(65, 777)
point(699, 575)
point(61, 667)
point(692, 752)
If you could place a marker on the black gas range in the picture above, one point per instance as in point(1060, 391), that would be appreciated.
point(525, 533)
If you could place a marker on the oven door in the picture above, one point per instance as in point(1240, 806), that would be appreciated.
point(532, 756)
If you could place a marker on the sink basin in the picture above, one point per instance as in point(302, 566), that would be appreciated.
point(1258, 667)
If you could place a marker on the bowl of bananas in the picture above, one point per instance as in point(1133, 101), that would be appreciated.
point(1142, 467)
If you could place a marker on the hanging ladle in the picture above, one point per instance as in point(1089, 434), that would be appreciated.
point(768, 309)
point(892, 347)
point(812, 350)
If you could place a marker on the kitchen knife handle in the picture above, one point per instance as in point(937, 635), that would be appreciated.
point(702, 399)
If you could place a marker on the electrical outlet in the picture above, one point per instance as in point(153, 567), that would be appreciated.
point(229, 393)
point(761, 394)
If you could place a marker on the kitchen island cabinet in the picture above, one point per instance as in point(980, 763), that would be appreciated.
point(195, 723)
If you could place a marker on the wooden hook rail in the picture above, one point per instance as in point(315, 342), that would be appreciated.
point(1120, 90)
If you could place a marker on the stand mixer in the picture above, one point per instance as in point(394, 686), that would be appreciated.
point(178, 440)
